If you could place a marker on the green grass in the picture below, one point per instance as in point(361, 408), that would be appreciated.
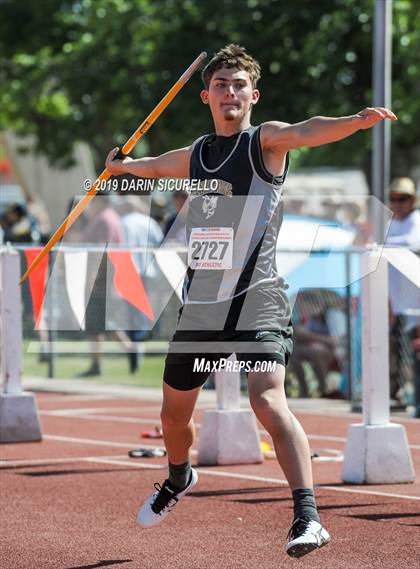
point(115, 369)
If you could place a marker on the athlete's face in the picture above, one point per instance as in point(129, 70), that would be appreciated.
point(230, 94)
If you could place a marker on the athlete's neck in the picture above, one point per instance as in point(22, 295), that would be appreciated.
point(228, 128)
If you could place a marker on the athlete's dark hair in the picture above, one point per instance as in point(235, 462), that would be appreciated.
point(232, 56)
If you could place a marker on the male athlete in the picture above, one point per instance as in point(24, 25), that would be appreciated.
point(233, 297)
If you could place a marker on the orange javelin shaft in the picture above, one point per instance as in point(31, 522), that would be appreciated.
point(126, 149)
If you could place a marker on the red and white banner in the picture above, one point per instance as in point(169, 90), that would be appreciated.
point(128, 282)
point(172, 267)
point(75, 263)
point(37, 282)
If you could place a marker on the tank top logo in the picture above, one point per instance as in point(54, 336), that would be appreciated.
point(209, 205)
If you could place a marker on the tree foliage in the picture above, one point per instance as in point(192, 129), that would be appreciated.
point(91, 70)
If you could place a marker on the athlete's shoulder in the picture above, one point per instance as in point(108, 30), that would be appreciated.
point(269, 130)
point(198, 140)
point(273, 125)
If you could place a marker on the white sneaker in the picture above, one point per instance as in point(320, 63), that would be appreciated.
point(158, 505)
point(305, 536)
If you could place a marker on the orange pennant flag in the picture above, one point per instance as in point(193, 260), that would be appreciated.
point(128, 282)
point(37, 281)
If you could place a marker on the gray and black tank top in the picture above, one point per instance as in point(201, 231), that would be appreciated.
point(253, 210)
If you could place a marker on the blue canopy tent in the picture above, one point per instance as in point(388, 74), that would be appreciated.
point(314, 255)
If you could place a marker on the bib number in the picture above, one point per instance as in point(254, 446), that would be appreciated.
point(211, 248)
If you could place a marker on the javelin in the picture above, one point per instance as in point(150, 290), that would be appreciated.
point(126, 149)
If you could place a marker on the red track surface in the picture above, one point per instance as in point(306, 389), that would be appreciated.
point(70, 502)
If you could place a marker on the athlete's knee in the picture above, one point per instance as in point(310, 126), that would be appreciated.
point(266, 391)
point(271, 409)
point(174, 419)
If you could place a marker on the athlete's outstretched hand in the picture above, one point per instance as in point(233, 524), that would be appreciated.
point(372, 115)
point(116, 167)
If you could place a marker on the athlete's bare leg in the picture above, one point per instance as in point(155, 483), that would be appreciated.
point(177, 423)
point(268, 400)
point(178, 434)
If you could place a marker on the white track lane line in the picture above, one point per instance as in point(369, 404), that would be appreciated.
point(368, 492)
point(116, 460)
point(98, 442)
point(132, 420)
point(46, 461)
point(270, 480)
point(284, 482)
point(208, 405)
point(221, 472)
point(109, 418)
point(90, 410)
point(357, 416)
point(132, 464)
point(77, 398)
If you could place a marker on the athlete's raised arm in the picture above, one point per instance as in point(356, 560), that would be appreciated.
point(280, 136)
point(175, 163)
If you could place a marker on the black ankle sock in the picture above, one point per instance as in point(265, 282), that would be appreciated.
point(179, 475)
point(304, 504)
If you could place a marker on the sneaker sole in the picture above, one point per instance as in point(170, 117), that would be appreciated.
point(153, 523)
point(301, 549)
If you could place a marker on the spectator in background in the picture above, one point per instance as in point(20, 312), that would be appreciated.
point(174, 228)
point(315, 343)
point(19, 226)
point(104, 228)
point(158, 208)
point(404, 231)
point(38, 212)
point(330, 206)
point(140, 231)
point(75, 233)
point(348, 214)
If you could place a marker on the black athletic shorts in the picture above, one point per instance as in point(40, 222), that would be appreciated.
point(188, 347)
point(256, 326)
